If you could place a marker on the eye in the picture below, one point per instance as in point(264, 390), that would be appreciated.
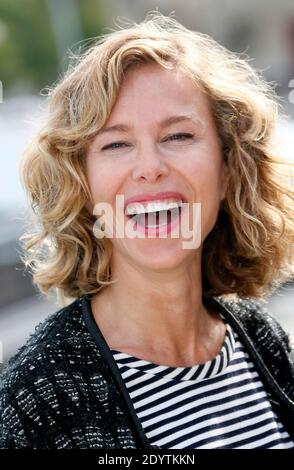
point(180, 136)
point(113, 146)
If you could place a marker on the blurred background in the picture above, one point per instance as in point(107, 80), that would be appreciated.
point(35, 36)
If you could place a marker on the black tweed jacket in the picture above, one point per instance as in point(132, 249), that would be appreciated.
point(63, 388)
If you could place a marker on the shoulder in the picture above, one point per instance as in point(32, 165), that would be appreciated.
point(42, 380)
point(258, 322)
point(268, 337)
point(56, 331)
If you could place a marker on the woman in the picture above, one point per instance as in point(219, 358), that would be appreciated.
point(160, 344)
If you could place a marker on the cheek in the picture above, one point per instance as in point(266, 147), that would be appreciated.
point(94, 182)
point(203, 170)
point(103, 180)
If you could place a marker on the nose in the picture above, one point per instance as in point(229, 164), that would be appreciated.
point(149, 165)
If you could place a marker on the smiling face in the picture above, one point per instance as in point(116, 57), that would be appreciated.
point(164, 139)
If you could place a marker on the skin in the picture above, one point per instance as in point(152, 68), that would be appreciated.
point(154, 311)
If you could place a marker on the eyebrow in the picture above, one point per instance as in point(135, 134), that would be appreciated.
point(162, 124)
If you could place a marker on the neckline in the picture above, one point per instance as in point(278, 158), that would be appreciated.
point(197, 372)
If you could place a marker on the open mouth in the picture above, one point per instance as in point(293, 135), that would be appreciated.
point(155, 217)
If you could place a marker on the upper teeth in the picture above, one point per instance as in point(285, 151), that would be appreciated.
point(141, 208)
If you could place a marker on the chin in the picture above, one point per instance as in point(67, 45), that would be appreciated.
point(160, 258)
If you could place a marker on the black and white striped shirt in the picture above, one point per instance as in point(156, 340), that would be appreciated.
point(218, 404)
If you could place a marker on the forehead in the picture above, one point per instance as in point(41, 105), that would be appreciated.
point(150, 92)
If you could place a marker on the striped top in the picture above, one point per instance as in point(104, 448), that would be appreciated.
point(218, 404)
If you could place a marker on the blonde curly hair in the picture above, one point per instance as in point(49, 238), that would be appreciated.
point(249, 252)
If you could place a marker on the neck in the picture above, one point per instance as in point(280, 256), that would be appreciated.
point(159, 316)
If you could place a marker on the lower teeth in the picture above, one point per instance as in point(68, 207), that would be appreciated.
point(151, 219)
